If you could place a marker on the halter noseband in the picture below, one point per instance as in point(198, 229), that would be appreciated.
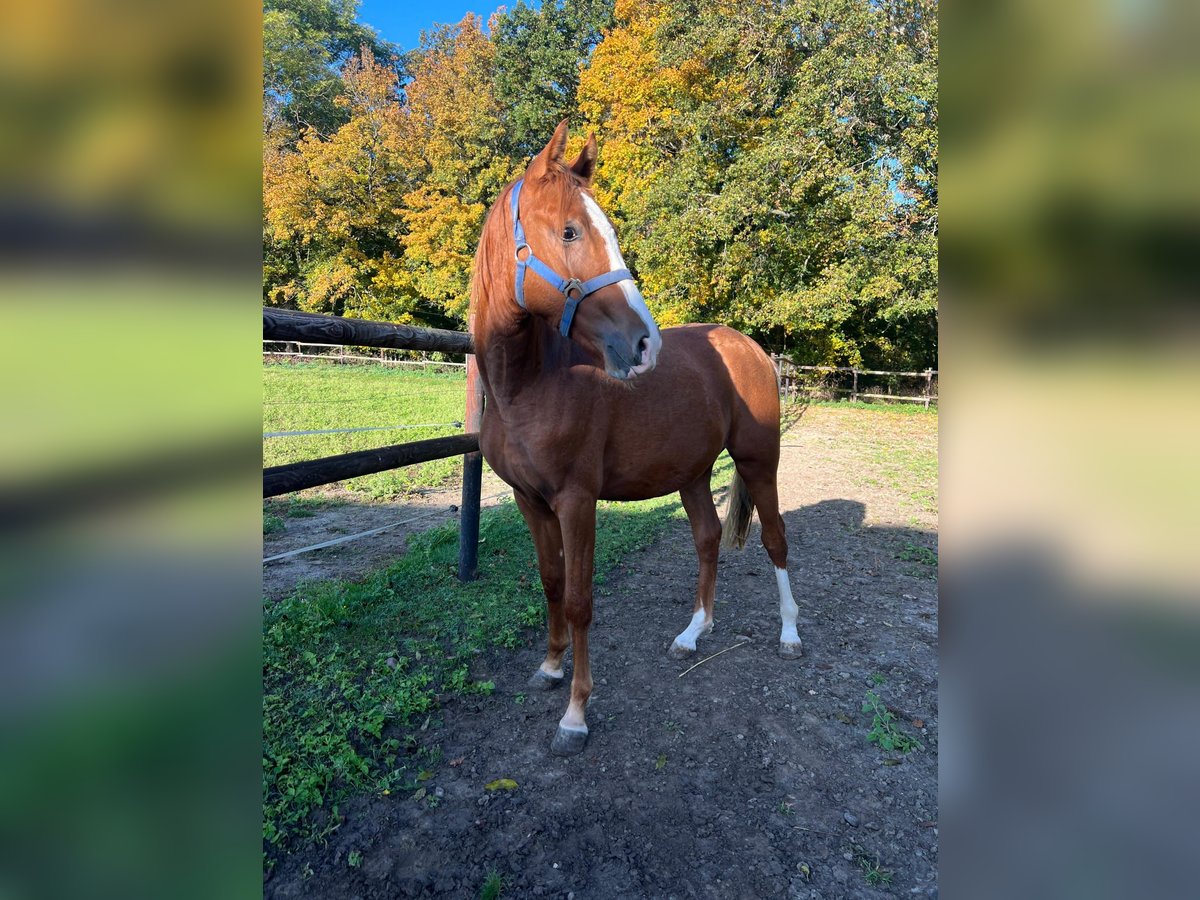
point(564, 286)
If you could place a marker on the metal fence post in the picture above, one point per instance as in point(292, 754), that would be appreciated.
point(468, 517)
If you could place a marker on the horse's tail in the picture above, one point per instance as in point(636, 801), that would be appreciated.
point(737, 520)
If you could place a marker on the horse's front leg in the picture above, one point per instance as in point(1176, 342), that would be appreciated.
point(577, 519)
point(547, 540)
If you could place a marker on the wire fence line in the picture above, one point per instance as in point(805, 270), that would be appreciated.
point(795, 382)
point(279, 434)
point(340, 354)
point(448, 391)
point(836, 382)
point(429, 514)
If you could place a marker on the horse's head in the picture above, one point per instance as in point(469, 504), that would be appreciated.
point(571, 273)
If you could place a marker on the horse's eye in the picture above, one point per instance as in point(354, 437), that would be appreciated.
point(570, 234)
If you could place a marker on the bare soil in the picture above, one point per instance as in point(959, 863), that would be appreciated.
point(347, 514)
point(749, 776)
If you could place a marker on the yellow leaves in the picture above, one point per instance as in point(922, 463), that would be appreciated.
point(501, 784)
point(453, 131)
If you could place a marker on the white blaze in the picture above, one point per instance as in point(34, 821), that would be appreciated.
point(615, 261)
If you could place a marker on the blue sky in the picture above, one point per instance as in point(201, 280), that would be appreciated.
point(402, 21)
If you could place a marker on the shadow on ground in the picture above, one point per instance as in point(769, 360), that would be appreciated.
point(750, 776)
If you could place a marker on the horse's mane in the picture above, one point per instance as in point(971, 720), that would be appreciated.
point(493, 256)
point(490, 251)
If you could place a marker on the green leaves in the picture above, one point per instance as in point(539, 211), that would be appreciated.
point(539, 55)
point(770, 166)
point(774, 168)
point(883, 730)
point(305, 42)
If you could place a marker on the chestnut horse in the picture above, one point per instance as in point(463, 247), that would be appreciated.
point(587, 400)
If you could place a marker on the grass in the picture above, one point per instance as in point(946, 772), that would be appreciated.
point(883, 731)
point(305, 507)
point(925, 558)
point(874, 874)
point(272, 524)
point(353, 670)
point(492, 886)
point(316, 396)
point(892, 447)
point(894, 408)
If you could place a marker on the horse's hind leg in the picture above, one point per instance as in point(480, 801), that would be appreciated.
point(706, 531)
point(547, 540)
point(760, 478)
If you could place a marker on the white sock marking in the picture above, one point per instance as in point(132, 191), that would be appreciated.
point(573, 719)
point(788, 610)
point(632, 295)
point(687, 637)
point(553, 673)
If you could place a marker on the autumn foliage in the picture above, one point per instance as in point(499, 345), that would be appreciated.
point(769, 165)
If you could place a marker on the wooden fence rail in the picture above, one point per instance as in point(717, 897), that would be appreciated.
point(328, 469)
point(311, 328)
point(790, 384)
point(288, 325)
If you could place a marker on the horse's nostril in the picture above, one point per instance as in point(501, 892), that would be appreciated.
point(643, 345)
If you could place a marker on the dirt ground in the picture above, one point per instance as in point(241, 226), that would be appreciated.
point(749, 776)
point(347, 514)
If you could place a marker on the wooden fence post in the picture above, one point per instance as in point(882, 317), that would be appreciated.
point(928, 386)
point(468, 516)
point(854, 388)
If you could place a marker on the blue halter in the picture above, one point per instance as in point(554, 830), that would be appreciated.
point(564, 286)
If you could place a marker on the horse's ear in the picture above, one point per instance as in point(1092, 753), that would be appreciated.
point(552, 154)
point(584, 165)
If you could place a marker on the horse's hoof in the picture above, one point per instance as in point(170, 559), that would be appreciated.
point(678, 651)
point(568, 741)
point(791, 651)
point(540, 681)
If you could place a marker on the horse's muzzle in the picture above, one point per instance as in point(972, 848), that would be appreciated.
point(625, 359)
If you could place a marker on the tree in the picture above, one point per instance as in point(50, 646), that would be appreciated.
point(539, 55)
point(455, 143)
point(775, 168)
point(769, 165)
point(306, 43)
point(333, 207)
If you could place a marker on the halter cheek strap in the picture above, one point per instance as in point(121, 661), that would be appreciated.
point(572, 289)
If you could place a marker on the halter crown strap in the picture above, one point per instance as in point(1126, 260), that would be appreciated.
point(572, 288)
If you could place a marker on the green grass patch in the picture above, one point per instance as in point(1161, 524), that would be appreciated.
point(883, 731)
point(352, 669)
point(891, 447)
point(874, 874)
point(882, 406)
point(306, 507)
point(272, 524)
point(318, 396)
point(911, 470)
point(926, 559)
point(492, 886)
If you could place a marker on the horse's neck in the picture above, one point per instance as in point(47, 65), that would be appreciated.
point(515, 353)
